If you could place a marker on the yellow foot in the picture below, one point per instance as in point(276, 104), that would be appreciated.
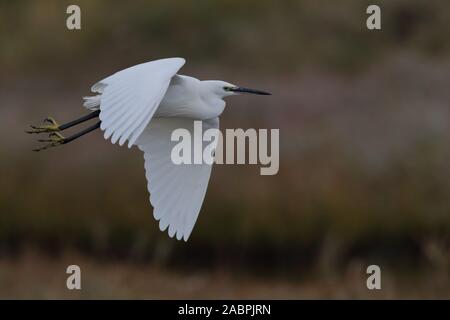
point(52, 126)
point(54, 138)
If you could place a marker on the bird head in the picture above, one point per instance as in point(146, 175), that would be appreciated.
point(225, 89)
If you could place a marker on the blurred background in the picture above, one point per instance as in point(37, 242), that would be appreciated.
point(364, 174)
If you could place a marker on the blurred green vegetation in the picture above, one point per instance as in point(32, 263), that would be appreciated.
point(363, 119)
point(265, 35)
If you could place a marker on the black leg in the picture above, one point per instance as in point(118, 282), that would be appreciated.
point(81, 133)
point(80, 120)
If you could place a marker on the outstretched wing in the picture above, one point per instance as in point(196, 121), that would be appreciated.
point(130, 97)
point(176, 191)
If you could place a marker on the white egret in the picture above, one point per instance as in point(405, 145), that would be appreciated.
point(143, 104)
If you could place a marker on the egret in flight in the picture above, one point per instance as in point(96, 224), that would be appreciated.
point(143, 105)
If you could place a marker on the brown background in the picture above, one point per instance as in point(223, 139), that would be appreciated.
point(364, 152)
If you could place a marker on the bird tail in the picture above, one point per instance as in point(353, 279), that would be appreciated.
point(92, 102)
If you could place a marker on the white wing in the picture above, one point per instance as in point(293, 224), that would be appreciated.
point(130, 97)
point(176, 191)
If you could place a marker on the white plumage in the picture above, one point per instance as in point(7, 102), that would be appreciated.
point(143, 105)
point(176, 191)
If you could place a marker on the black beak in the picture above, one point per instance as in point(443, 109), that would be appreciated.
point(247, 90)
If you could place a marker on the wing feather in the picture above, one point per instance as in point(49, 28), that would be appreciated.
point(130, 97)
point(176, 191)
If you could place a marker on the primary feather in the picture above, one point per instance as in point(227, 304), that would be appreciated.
point(130, 97)
point(176, 191)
